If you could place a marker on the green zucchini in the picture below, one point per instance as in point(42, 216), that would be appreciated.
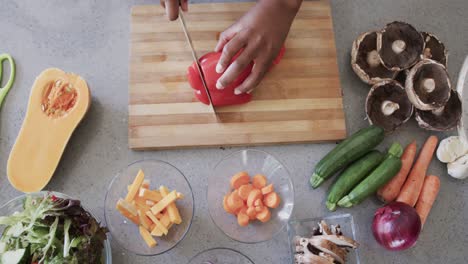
point(378, 177)
point(352, 175)
point(346, 152)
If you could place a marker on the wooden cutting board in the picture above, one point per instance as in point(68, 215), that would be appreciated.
point(300, 99)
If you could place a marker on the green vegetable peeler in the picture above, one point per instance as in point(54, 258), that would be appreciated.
point(4, 90)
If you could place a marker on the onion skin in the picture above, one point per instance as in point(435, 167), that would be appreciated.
point(396, 226)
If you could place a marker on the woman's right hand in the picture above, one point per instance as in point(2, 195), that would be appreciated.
point(172, 7)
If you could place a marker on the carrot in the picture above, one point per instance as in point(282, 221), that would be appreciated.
point(259, 181)
point(226, 206)
point(410, 191)
point(251, 213)
point(244, 191)
point(243, 219)
point(268, 189)
point(258, 202)
point(235, 202)
point(272, 200)
point(389, 192)
point(427, 197)
point(240, 179)
point(254, 195)
point(264, 215)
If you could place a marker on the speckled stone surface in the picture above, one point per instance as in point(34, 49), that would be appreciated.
point(91, 38)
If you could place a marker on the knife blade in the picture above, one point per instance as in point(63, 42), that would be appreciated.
point(195, 59)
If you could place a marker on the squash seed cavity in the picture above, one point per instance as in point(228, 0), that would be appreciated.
point(58, 98)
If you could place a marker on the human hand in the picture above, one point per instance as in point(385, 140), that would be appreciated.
point(258, 36)
point(172, 7)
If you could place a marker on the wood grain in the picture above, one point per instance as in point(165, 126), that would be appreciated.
point(299, 101)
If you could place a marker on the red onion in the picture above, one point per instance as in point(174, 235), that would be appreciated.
point(396, 226)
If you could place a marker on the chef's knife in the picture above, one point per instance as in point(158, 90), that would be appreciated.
point(195, 59)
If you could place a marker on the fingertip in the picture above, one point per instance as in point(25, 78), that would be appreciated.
point(219, 68)
point(237, 91)
point(219, 85)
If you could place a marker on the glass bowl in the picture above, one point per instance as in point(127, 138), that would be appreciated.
point(126, 232)
point(16, 205)
point(253, 162)
point(305, 228)
point(220, 256)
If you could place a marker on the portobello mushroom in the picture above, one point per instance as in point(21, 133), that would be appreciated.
point(341, 241)
point(444, 118)
point(365, 59)
point(399, 45)
point(434, 49)
point(387, 105)
point(428, 85)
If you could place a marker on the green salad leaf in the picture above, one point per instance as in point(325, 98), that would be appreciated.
point(51, 230)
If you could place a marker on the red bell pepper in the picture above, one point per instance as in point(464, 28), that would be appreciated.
point(225, 96)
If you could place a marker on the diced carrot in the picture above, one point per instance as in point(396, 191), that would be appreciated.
point(165, 220)
point(264, 215)
point(240, 179)
point(268, 189)
point(235, 202)
point(251, 213)
point(158, 223)
point(389, 192)
point(150, 203)
point(180, 196)
point(272, 200)
point(147, 237)
point(145, 184)
point(258, 202)
point(244, 191)
point(243, 219)
point(259, 181)
point(412, 188)
point(259, 208)
point(225, 205)
point(159, 215)
point(427, 197)
point(254, 195)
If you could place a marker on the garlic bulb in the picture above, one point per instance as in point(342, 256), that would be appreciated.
point(459, 168)
point(451, 148)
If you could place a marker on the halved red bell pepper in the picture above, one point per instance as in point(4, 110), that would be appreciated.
point(225, 96)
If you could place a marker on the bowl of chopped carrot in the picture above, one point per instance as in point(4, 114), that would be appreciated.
point(251, 196)
point(149, 207)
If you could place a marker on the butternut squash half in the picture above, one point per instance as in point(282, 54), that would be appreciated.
point(57, 104)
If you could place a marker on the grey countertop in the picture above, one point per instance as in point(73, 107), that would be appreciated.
point(91, 38)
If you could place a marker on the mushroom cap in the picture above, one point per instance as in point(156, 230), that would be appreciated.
point(365, 59)
point(434, 49)
point(428, 85)
point(443, 119)
point(379, 97)
point(399, 45)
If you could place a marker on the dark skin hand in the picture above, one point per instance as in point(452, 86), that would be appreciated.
point(259, 33)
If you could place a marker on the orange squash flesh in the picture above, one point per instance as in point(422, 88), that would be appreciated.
point(53, 114)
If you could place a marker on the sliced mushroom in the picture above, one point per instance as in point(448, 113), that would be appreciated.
point(388, 106)
point(341, 240)
point(442, 119)
point(311, 259)
point(434, 49)
point(328, 247)
point(324, 228)
point(399, 45)
point(428, 85)
point(365, 59)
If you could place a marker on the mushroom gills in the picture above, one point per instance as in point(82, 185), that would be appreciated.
point(444, 118)
point(400, 46)
point(434, 49)
point(428, 85)
point(365, 59)
point(387, 105)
